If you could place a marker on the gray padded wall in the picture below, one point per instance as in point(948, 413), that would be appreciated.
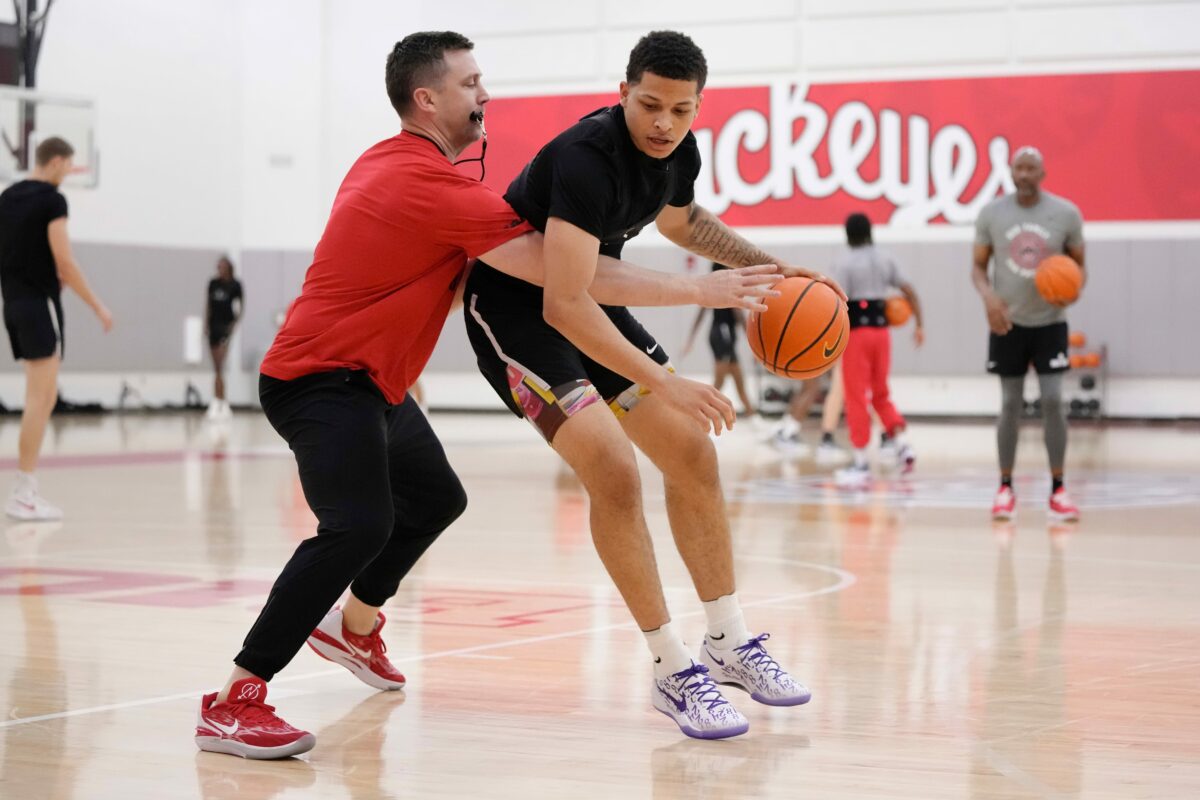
point(149, 291)
point(1141, 300)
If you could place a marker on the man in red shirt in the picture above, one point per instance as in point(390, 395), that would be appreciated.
point(334, 383)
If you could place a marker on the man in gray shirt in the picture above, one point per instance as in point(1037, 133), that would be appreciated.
point(1016, 233)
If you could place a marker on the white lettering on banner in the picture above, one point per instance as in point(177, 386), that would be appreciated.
point(939, 171)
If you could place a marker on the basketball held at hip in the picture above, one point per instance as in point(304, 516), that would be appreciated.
point(1058, 280)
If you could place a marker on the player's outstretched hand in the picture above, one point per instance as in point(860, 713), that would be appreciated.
point(801, 272)
point(700, 401)
point(744, 287)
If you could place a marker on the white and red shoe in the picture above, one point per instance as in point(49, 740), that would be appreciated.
point(244, 725)
point(1004, 507)
point(362, 655)
point(1061, 507)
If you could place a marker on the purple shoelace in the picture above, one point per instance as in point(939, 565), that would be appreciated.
point(755, 655)
point(703, 689)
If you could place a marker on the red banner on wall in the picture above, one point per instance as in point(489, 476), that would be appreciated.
point(1122, 146)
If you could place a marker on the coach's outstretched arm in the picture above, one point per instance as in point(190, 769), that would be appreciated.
point(619, 283)
point(697, 229)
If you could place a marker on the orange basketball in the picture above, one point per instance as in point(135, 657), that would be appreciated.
point(803, 331)
point(1076, 361)
point(1091, 359)
point(1077, 339)
point(897, 310)
point(1058, 279)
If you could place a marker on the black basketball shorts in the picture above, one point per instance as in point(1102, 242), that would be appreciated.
point(219, 333)
point(1045, 347)
point(34, 327)
point(533, 368)
point(723, 341)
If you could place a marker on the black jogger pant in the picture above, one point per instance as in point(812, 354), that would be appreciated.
point(378, 481)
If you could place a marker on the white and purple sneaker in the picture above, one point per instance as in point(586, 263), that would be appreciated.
point(695, 703)
point(750, 667)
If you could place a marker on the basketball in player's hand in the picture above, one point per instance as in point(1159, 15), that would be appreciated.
point(1058, 280)
point(803, 331)
point(897, 309)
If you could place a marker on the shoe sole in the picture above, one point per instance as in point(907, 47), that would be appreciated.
point(214, 744)
point(1004, 516)
point(720, 733)
point(1059, 516)
point(335, 654)
point(769, 701)
point(30, 516)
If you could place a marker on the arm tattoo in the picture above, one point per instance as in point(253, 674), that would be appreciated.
point(711, 238)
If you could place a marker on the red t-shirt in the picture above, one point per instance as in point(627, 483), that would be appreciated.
point(383, 276)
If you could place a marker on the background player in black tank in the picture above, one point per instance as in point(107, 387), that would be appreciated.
point(35, 262)
point(220, 318)
point(592, 188)
point(723, 334)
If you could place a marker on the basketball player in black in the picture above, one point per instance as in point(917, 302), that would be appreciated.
point(220, 318)
point(35, 262)
point(594, 382)
point(723, 335)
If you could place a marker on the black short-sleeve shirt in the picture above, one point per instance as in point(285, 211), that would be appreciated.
point(27, 268)
point(594, 177)
point(221, 296)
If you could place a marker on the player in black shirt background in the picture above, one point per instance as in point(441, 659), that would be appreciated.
point(558, 358)
point(35, 262)
point(723, 334)
point(220, 318)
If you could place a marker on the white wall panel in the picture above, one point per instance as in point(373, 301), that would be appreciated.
point(729, 49)
point(1130, 30)
point(549, 59)
point(856, 8)
point(478, 19)
point(165, 79)
point(967, 38)
point(684, 15)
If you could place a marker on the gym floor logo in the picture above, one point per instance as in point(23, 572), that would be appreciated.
point(1090, 490)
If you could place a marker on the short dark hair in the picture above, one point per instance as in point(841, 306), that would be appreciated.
point(668, 54)
point(52, 148)
point(858, 230)
point(419, 60)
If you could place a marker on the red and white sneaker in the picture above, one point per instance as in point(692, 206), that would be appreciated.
point(1004, 507)
point(362, 655)
point(1061, 507)
point(244, 725)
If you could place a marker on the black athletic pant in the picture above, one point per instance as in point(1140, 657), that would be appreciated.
point(377, 479)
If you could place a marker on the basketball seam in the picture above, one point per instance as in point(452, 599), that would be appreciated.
point(787, 367)
point(786, 323)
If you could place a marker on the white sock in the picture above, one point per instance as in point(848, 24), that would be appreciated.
point(726, 626)
point(789, 426)
point(670, 653)
point(26, 482)
point(860, 458)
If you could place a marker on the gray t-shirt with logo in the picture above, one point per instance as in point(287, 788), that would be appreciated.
point(867, 273)
point(1020, 238)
